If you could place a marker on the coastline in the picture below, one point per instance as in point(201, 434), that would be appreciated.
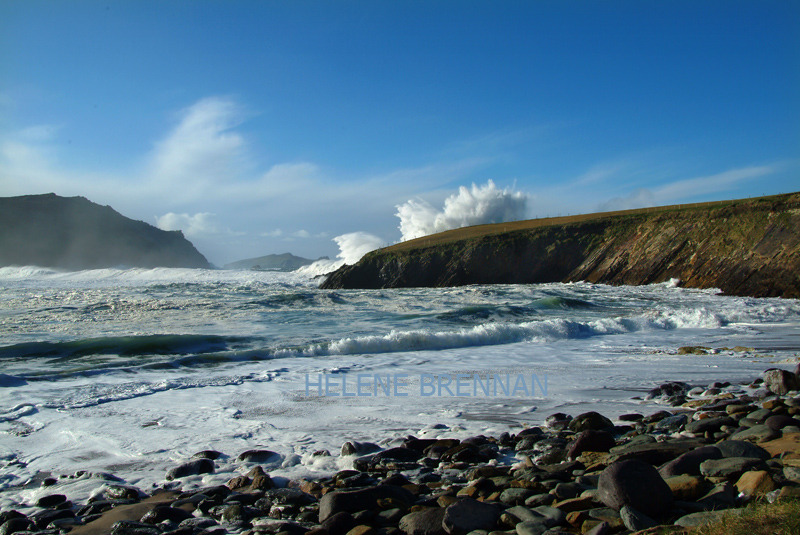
point(543, 479)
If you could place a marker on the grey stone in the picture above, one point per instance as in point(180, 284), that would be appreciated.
point(192, 468)
point(590, 420)
point(259, 456)
point(694, 520)
point(634, 483)
point(425, 522)
point(780, 381)
point(729, 467)
point(531, 527)
point(523, 513)
point(351, 447)
point(552, 515)
point(359, 500)
point(741, 448)
point(708, 424)
point(689, 462)
point(467, 515)
point(515, 496)
point(757, 433)
point(125, 527)
point(672, 423)
point(635, 520)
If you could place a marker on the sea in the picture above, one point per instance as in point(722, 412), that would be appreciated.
point(118, 375)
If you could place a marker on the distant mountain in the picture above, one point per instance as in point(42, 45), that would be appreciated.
point(272, 262)
point(75, 233)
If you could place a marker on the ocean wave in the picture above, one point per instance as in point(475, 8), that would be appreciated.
point(154, 344)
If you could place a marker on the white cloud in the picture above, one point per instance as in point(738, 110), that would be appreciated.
point(679, 190)
point(191, 225)
point(470, 206)
point(202, 151)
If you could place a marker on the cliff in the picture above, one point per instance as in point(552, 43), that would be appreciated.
point(75, 233)
point(746, 247)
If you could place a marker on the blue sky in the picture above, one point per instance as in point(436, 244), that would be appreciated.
point(265, 127)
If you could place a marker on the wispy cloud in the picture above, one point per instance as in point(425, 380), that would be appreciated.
point(689, 188)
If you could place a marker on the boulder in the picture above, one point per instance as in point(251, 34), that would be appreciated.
point(637, 484)
point(424, 522)
point(780, 381)
point(589, 420)
point(591, 440)
point(469, 515)
point(192, 468)
point(352, 501)
point(689, 462)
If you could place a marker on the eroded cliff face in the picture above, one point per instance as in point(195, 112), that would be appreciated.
point(749, 247)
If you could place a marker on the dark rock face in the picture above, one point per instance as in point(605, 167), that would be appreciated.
point(747, 247)
point(74, 233)
point(425, 522)
point(634, 483)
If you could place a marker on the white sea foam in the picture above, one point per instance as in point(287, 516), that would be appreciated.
point(597, 346)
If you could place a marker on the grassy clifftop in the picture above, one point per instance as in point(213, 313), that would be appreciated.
point(744, 247)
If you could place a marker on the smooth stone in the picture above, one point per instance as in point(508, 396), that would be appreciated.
point(351, 447)
point(686, 487)
point(603, 528)
point(655, 453)
point(552, 515)
point(792, 473)
point(635, 520)
point(126, 527)
point(757, 433)
point(694, 520)
point(780, 421)
point(51, 500)
point(424, 522)
point(15, 525)
point(259, 456)
point(161, 513)
point(352, 501)
point(729, 467)
point(192, 468)
point(708, 424)
point(523, 513)
point(689, 462)
point(590, 420)
point(720, 497)
point(339, 524)
point(780, 381)
point(591, 440)
point(515, 496)
point(467, 515)
point(741, 448)
point(672, 423)
point(531, 527)
point(634, 483)
point(755, 483)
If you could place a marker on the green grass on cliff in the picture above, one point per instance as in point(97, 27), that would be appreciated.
point(478, 231)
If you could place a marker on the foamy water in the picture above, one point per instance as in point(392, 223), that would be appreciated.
point(132, 371)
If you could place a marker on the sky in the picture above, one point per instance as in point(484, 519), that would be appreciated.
point(261, 127)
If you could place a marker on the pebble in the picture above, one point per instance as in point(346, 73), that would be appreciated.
point(579, 474)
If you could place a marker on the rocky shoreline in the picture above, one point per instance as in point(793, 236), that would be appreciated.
point(711, 450)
